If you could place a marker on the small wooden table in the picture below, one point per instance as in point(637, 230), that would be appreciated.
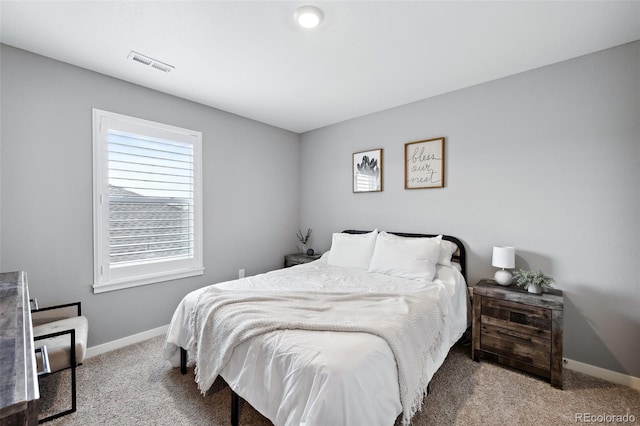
point(299, 258)
point(516, 328)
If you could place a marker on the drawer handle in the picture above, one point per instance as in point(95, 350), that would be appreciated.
point(524, 339)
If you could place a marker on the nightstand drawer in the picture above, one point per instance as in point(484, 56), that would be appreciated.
point(516, 316)
point(526, 348)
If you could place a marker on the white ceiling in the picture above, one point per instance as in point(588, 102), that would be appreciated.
point(250, 59)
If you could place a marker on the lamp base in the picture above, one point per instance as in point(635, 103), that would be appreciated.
point(503, 277)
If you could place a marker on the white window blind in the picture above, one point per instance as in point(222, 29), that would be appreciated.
point(148, 212)
point(150, 199)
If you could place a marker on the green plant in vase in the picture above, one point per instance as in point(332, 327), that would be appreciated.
point(304, 239)
point(532, 281)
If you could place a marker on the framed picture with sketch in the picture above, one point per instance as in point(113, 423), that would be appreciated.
point(424, 164)
point(367, 171)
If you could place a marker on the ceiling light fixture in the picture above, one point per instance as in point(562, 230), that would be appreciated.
point(308, 16)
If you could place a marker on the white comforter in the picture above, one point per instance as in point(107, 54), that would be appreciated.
point(325, 377)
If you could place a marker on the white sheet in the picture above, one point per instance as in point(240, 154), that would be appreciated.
point(317, 378)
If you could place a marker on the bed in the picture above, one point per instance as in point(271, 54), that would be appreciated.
point(351, 338)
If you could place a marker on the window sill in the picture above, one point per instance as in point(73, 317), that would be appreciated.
point(145, 280)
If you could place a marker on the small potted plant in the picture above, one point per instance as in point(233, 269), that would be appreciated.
point(532, 281)
point(304, 239)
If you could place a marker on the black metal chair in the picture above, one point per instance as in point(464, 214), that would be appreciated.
point(60, 335)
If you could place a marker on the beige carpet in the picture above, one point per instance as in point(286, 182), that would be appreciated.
point(135, 386)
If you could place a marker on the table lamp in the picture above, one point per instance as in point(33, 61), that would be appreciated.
point(503, 257)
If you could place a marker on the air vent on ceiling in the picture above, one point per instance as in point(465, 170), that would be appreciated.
point(162, 67)
point(145, 60)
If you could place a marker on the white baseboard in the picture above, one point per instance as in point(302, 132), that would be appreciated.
point(126, 341)
point(601, 373)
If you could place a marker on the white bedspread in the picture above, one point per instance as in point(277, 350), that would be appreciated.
point(295, 374)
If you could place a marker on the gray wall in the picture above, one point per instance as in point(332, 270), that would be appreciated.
point(546, 161)
point(251, 189)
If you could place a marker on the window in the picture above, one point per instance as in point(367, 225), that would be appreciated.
point(147, 202)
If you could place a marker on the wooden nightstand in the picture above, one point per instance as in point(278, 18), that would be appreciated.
point(519, 329)
point(299, 258)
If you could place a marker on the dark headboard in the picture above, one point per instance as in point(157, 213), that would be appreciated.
point(460, 256)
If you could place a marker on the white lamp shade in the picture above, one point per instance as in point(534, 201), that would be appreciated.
point(504, 257)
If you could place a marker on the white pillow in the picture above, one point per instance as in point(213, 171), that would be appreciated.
point(447, 248)
point(352, 250)
point(405, 257)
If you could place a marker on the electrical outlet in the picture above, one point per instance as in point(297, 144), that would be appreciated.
point(240, 273)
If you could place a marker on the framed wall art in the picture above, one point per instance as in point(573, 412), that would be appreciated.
point(367, 171)
point(424, 164)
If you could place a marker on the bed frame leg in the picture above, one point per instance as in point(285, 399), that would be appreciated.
point(183, 361)
point(234, 408)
